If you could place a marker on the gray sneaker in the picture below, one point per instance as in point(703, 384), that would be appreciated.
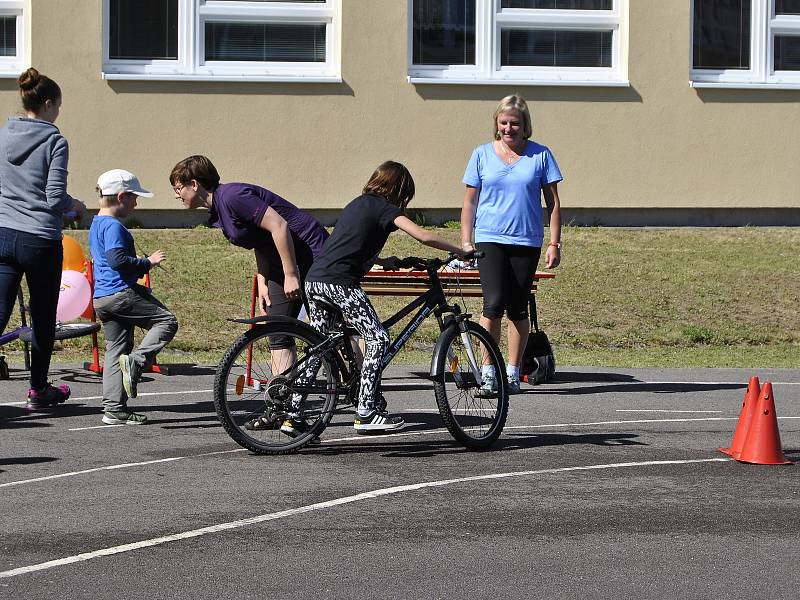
point(130, 374)
point(488, 388)
point(513, 385)
point(123, 417)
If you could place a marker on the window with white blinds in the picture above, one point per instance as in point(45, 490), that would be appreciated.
point(547, 42)
point(746, 43)
point(12, 38)
point(282, 40)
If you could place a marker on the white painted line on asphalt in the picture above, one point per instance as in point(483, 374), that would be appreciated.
point(85, 556)
point(658, 410)
point(96, 427)
point(114, 467)
point(543, 387)
point(174, 393)
point(630, 421)
point(358, 437)
point(741, 383)
point(140, 395)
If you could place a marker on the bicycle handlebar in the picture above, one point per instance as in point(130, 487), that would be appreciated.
point(417, 263)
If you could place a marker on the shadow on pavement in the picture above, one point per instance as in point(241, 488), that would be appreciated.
point(187, 369)
point(26, 460)
point(414, 447)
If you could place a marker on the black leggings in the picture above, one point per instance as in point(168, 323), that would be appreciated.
point(272, 269)
point(507, 273)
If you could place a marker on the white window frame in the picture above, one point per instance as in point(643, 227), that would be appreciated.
point(192, 66)
point(491, 19)
point(764, 26)
point(12, 66)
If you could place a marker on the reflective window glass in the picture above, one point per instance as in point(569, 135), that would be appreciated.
point(721, 34)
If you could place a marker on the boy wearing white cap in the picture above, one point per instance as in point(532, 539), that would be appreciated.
point(119, 301)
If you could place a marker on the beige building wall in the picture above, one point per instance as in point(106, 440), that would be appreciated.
point(656, 144)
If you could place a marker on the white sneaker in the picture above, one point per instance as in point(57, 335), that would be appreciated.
point(488, 388)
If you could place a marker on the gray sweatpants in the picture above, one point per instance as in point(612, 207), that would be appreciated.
point(120, 314)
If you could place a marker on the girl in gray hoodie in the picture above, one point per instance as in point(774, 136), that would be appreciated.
point(33, 202)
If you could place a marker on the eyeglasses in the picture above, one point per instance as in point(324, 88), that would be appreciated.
point(178, 189)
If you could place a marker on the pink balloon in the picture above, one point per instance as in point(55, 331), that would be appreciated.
point(74, 297)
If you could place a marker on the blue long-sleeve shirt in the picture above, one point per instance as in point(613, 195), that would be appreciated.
point(116, 266)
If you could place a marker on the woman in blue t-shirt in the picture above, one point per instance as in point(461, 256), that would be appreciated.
point(502, 214)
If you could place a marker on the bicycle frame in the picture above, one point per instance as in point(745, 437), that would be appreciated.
point(433, 301)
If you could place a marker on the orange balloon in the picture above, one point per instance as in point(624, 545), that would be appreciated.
point(74, 258)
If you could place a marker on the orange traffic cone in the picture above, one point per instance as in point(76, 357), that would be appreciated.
point(763, 443)
point(745, 418)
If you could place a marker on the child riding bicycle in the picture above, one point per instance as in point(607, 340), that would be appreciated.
point(359, 236)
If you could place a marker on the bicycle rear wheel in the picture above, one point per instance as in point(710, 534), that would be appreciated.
point(255, 382)
point(474, 420)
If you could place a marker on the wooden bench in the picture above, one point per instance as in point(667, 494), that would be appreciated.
point(413, 283)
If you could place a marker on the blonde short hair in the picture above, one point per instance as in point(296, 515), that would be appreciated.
point(508, 104)
point(107, 201)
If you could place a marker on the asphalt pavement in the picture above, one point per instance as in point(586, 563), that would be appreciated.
point(606, 483)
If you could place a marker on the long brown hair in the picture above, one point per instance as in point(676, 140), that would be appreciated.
point(391, 180)
point(36, 89)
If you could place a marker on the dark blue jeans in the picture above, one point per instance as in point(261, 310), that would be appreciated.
point(39, 259)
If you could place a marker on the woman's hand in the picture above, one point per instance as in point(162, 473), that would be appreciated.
point(264, 301)
point(291, 286)
point(75, 212)
point(552, 256)
point(78, 207)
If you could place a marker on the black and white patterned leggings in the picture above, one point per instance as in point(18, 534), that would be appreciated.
point(361, 316)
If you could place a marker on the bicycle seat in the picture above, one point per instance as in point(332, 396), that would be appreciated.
point(329, 306)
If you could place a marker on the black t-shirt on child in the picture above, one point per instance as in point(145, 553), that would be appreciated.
point(358, 237)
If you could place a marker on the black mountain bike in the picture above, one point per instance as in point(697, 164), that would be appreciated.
point(267, 365)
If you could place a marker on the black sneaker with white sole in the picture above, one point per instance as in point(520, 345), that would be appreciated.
point(297, 427)
point(378, 421)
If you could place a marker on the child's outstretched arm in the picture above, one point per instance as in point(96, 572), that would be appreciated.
point(424, 236)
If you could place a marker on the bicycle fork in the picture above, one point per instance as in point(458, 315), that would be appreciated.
point(452, 358)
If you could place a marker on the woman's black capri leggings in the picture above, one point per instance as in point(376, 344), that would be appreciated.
point(507, 272)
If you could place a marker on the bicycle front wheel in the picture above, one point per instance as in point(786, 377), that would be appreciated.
point(473, 418)
point(263, 376)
